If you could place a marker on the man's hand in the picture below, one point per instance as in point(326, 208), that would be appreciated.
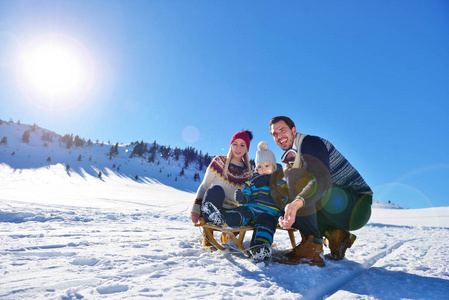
point(290, 213)
point(195, 216)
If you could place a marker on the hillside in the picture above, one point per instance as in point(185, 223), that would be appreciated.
point(151, 162)
point(70, 235)
point(46, 148)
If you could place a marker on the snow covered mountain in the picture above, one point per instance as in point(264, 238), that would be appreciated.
point(29, 146)
point(67, 233)
point(45, 148)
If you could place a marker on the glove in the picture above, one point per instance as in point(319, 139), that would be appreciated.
point(240, 197)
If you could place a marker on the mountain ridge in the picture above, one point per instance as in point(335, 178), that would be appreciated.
point(46, 148)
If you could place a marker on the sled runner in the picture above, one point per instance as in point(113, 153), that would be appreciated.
point(228, 233)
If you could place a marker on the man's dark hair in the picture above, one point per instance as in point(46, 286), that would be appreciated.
point(287, 121)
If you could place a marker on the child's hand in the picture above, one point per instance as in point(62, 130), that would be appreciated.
point(239, 196)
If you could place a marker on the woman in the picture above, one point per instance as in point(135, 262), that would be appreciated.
point(224, 175)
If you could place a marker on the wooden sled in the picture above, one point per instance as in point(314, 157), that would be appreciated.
point(228, 233)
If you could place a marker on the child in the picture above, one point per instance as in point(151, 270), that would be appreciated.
point(258, 209)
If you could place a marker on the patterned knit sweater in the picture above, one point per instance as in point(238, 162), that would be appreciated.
point(237, 175)
point(341, 172)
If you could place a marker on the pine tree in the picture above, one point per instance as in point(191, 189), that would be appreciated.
point(79, 142)
point(26, 137)
point(196, 177)
point(114, 151)
point(4, 141)
point(151, 158)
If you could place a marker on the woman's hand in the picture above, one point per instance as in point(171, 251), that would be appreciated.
point(195, 216)
point(290, 213)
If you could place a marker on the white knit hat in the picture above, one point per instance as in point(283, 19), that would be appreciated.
point(264, 155)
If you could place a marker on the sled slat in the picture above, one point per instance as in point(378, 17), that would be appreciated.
point(228, 233)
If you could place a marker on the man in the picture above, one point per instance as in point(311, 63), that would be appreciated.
point(327, 197)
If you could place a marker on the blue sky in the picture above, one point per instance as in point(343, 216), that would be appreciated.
point(372, 77)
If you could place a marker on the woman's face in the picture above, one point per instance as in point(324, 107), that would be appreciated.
point(238, 148)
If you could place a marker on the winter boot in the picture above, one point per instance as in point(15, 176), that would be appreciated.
point(339, 241)
point(212, 215)
point(307, 252)
point(259, 253)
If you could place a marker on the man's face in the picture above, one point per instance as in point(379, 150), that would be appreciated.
point(283, 136)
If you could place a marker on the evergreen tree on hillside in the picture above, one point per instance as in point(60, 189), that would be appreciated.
point(139, 149)
point(152, 157)
point(176, 153)
point(114, 151)
point(47, 137)
point(79, 142)
point(165, 151)
point(26, 137)
point(69, 144)
point(4, 141)
point(153, 148)
point(201, 165)
point(190, 155)
point(68, 140)
point(196, 177)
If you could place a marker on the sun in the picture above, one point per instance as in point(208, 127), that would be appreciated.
point(55, 72)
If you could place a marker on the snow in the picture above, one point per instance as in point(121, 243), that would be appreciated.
point(71, 235)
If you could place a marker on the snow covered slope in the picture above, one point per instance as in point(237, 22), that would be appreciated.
point(67, 234)
point(45, 148)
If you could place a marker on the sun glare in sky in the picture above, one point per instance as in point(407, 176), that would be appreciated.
point(55, 72)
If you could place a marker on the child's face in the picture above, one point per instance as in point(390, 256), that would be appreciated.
point(265, 168)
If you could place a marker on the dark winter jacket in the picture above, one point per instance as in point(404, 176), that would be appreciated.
point(323, 166)
point(257, 194)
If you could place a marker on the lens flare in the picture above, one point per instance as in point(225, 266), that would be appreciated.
point(190, 134)
point(337, 202)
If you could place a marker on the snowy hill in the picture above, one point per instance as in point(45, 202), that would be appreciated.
point(380, 204)
point(68, 234)
point(45, 148)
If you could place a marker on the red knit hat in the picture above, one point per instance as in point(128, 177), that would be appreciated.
point(245, 135)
